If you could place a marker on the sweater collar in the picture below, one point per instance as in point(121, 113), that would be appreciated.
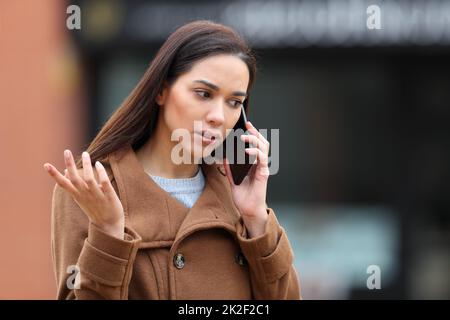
point(161, 219)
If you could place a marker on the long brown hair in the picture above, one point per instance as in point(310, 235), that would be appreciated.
point(135, 120)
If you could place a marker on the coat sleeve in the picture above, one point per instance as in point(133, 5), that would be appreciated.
point(270, 259)
point(88, 263)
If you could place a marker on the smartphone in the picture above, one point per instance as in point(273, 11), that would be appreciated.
point(240, 162)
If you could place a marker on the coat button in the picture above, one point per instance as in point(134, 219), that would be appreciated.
point(240, 259)
point(178, 261)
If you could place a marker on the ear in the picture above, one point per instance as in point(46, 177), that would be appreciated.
point(162, 96)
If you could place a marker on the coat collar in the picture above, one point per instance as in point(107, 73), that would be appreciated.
point(159, 218)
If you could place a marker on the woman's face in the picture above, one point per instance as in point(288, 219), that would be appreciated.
point(211, 93)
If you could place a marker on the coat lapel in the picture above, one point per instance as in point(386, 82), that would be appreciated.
point(160, 219)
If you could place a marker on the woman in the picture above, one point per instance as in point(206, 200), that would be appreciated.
point(140, 225)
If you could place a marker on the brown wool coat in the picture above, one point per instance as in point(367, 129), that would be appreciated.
point(215, 258)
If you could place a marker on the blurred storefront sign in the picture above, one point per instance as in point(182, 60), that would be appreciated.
point(266, 24)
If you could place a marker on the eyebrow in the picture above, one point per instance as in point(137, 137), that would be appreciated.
point(215, 87)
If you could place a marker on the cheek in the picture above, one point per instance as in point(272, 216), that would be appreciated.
point(231, 119)
point(180, 111)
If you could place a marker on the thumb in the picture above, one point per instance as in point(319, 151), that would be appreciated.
point(226, 165)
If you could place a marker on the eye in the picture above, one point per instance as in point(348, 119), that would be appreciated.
point(203, 94)
point(237, 103)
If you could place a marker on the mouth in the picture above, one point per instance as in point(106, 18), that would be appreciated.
point(208, 137)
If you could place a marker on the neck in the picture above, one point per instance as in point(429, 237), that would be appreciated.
point(155, 157)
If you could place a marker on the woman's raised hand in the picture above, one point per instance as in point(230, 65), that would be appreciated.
point(98, 200)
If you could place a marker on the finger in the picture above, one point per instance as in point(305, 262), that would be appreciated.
point(105, 184)
point(251, 128)
point(88, 173)
point(226, 165)
point(61, 180)
point(262, 167)
point(256, 142)
point(73, 172)
point(261, 156)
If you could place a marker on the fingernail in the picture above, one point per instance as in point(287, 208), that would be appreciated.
point(84, 155)
point(67, 154)
point(46, 167)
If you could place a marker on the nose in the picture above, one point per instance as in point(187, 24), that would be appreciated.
point(216, 116)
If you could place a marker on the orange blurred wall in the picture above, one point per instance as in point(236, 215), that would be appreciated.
point(41, 113)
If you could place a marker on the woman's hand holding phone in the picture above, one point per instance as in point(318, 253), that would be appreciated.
point(98, 200)
point(250, 195)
